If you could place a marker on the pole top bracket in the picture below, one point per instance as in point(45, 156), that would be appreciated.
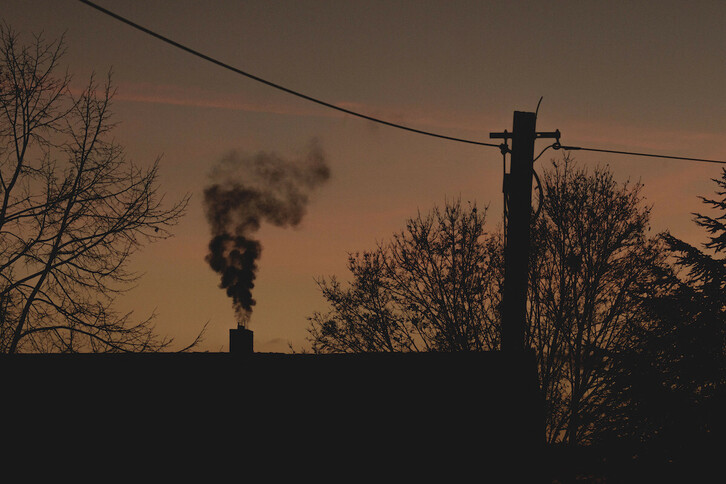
point(548, 134)
point(507, 135)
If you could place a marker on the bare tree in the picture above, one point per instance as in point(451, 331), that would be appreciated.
point(72, 210)
point(591, 254)
point(430, 289)
point(436, 287)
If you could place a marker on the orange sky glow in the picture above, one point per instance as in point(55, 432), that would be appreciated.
point(612, 75)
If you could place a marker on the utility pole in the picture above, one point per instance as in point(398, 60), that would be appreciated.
point(518, 197)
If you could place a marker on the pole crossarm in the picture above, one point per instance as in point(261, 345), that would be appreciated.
point(506, 135)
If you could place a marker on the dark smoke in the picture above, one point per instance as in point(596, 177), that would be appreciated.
point(245, 192)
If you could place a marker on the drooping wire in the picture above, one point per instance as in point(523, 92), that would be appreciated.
point(553, 145)
point(633, 153)
point(360, 115)
point(504, 148)
point(274, 85)
point(534, 172)
point(541, 194)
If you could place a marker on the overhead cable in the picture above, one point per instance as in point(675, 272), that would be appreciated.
point(632, 153)
point(236, 70)
point(272, 84)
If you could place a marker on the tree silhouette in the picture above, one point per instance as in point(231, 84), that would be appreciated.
point(72, 210)
point(590, 249)
point(671, 381)
point(436, 287)
point(431, 288)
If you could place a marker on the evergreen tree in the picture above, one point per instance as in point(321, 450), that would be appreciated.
point(672, 381)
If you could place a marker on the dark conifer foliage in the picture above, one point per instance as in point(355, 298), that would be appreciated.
point(672, 379)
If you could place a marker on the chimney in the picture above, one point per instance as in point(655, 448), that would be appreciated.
point(240, 341)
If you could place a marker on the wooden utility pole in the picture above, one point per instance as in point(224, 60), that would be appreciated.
point(518, 197)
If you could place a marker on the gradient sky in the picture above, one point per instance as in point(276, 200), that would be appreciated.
point(624, 75)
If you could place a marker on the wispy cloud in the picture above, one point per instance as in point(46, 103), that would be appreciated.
point(168, 94)
point(408, 115)
point(594, 133)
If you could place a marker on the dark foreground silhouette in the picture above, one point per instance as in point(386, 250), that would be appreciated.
point(455, 417)
point(341, 417)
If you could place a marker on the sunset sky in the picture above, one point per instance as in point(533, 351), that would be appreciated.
point(624, 75)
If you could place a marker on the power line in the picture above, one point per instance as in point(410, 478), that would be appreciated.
point(632, 153)
point(276, 86)
point(236, 70)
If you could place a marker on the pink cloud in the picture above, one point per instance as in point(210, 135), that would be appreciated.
point(195, 97)
point(591, 133)
point(408, 115)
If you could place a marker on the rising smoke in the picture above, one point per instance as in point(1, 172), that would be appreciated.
point(245, 192)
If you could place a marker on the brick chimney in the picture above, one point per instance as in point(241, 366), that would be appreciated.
point(240, 341)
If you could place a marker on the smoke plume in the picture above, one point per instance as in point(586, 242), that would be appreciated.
point(245, 192)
